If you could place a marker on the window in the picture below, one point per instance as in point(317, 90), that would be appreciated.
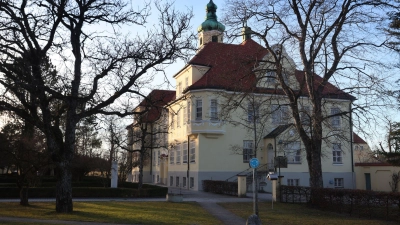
point(172, 157)
point(171, 181)
point(178, 119)
point(337, 153)
point(271, 77)
point(214, 38)
point(154, 179)
point(280, 114)
point(186, 82)
point(247, 150)
point(177, 181)
point(184, 115)
point(335, 120)
point(252, 112)
point(188, 112)
point(154, 157)
point(293, 152)
point(180, 89)
point(158, 157)
point(213, 109)
point(305, 115)
point(339, 183)
point(178, 153)
point(172, 120)
point(158, 178)
point(185, 152)
point(184, 182)
point(293, 182)
point(191, 185)
point(199, 109)
point(192, 151)
point(201, 41)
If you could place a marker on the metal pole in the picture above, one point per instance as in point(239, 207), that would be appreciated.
point(254, 195)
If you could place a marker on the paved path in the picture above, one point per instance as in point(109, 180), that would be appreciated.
point(207, 200)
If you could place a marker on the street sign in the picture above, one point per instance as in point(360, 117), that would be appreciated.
point(254, 163)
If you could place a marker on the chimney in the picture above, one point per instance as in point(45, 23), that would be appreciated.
point(246, 33)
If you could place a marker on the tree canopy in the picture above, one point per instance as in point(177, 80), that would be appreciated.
point(96, 60)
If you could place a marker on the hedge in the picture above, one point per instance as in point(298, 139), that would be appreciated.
point(89, 192)
point(220, 187)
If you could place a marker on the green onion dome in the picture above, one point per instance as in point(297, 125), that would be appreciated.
point(211, 22)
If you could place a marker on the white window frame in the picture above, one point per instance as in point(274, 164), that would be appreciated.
point(185, 152)
point(178, 119)
point(280, 114)
point(172, 124)
point(214, 110)
point(271, 77)
point(158, 157)
point(292, 151)
point(183, 181)
point(186, 82)
point(191, 185)
point(178, 153)
point(338, 182)
point(192, 146)
point(253, 111)
point(305, 115)
point(177, 181)
point(248, 146)
point(335, 120)
point(337, 155)
point(199, 109)
point(293, 182)
point(172, 157)
point(188, 112)
point(179, 89)
point(184, 116)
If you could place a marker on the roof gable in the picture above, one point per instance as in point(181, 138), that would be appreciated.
point(232, 68)
point(154, 103)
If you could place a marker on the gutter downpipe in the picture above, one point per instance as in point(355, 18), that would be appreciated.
point(188, 162)
point(151, 150)
point(351, 144)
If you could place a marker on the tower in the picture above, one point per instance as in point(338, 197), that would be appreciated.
point(210, 30)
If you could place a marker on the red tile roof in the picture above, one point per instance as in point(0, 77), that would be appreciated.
point(154, 104)
point(357, 139)
point(231, 68)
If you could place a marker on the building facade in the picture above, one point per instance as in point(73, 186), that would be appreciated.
point(228, 108)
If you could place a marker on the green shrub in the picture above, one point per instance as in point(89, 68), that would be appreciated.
point(88, 192)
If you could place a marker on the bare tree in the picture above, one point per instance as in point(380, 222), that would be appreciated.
point(25, 151)
point(336, 40)
point(95, 67)
point(149, 130)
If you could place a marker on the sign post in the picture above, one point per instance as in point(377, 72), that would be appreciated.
point(254, 163)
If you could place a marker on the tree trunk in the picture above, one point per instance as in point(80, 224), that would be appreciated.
point(141, 171)
point(23, 196)
point(64, 188)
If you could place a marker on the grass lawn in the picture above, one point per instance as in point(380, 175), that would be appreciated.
point(116, 212)
point(293, 214)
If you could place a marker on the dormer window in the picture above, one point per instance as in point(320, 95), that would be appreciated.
point(272, 78)
point(214, 38)
point(201, 41)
